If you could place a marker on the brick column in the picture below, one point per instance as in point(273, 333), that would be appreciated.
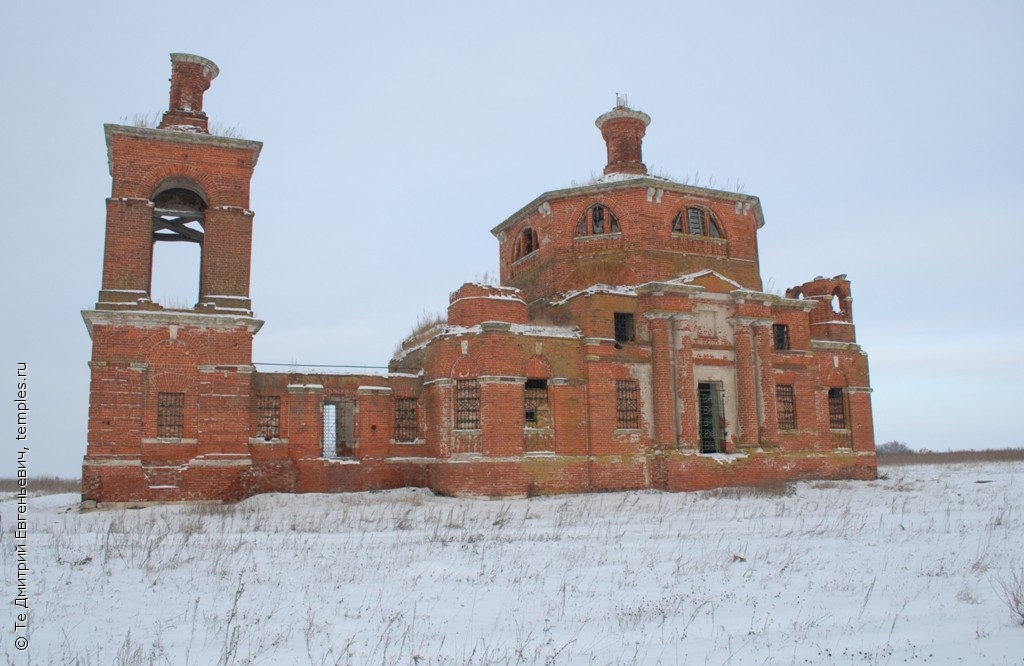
point(501, 415)
point(763, 360)
point(374, 421)
point(746, 385)
point(441, 394)
point(663, 389)
point(128, 251)
point(862, 432)
point(224, 273)
point(686, 387)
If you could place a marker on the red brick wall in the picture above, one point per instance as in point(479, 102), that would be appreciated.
point(494, 336)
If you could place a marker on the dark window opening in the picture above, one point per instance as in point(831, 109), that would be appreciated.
point(535, 404)
point(836, 409)
point(785, 401)
point(709, 412)
point(699, 222)
point(467, 404)
point(170, 415)
point(624, 327)
point(525, 244)
point(405, 420)
point(780, 333)
point(268, 416)
point(597, 220)
point(627, 404)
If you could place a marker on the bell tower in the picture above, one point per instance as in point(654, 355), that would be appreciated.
point(157, 367)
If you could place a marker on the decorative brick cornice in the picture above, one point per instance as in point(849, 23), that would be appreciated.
point(501, 379)
point(831, 345)
point(162, 318)
point(149, 134)
point(379, 391)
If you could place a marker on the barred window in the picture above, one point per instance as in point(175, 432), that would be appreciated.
point(536, 404)
point(467, 404)
point(624, 327)
point(170, 414)
point(268, 416)
point(785, 402)
point(627, 404)
point(330, 441)
point(780, 335)
point(836, 409)
point(405, 420)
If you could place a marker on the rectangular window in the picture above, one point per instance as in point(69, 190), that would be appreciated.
point(836, 409)
point(598, 215)
point(405, 420)
point(780, 332)
point(535, 402)
point(627, 404)
point(467, 404)
point(785, 402)
point(268, 416)
point(330, 441)
point(170, 415)
point(624, 328)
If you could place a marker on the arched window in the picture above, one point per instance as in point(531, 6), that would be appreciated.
point(597, 220)
point(178, 217)
point(838, 305)
point(696, 222)
point(837, 409)
point(525, 244)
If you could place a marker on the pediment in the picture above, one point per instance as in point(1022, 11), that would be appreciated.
point(710, 280)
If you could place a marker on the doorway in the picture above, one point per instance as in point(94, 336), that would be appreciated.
point(709, 407)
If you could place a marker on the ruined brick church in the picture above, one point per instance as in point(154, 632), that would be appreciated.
point(630, 345)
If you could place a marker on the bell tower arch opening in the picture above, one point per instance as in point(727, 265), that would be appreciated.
point(177, 257)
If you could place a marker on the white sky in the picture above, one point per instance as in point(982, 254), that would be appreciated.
point(883, 138)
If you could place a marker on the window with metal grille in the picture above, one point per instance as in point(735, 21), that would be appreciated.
point(780, 333)
point(170, 414)
point(836, 409)
point(624, 327)
point(467, 404)
point(268, 416)
point(785, 403)
point(405, 420)
point(627, 404)
point(330, 440)
point(339, 428)
point(535, 403)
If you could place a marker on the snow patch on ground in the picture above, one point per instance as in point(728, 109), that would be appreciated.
point(899, 570)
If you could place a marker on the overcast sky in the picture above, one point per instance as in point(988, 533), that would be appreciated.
point(883, 138)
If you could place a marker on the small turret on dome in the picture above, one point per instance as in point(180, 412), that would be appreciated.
point(623, 130)
point(191, 76)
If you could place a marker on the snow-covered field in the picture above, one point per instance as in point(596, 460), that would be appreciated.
point(901, 570)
